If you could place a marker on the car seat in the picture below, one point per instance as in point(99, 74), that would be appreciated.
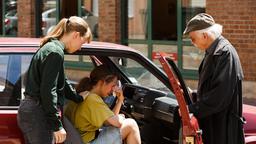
point(73, 136)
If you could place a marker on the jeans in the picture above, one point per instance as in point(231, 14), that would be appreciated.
point(33, 123)
point(108, 135)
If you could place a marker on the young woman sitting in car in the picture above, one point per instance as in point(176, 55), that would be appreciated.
point(94, 120)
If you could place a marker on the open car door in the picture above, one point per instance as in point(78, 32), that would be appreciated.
point(191, 133)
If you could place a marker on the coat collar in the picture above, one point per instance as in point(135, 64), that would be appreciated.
point(58, 42)
point(213, 46)
point(206, 65)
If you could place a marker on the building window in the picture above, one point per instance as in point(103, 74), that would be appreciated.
point(164, 20)
point(49, 16)
point(158, 25)
point(95, 7)
point(191, 56)
point(89, 12)
point(9, 18)
point(137, 19)
point(130, 8)
point(190, 8)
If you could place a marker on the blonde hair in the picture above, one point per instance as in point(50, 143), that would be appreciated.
point(65, 26)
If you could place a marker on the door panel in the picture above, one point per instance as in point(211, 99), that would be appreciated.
point(9, 130)
point(13, 68)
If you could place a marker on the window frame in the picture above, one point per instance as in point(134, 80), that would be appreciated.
point(187, 73)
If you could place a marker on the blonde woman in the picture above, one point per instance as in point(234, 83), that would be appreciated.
point(39, 114)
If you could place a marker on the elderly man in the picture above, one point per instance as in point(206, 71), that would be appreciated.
point(219, 95)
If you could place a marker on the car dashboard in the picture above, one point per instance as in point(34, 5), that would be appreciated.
point(150, 107)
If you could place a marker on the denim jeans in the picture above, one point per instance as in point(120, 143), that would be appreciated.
point(108, 135)
point(33, 124)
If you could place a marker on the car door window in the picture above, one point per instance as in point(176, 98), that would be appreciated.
point(138, 74)
point(3, 71)
point(13, 68)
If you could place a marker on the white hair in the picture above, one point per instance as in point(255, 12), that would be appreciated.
point(215, 30)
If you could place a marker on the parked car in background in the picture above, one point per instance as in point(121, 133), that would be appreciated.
point(149, 97)
point(10, 17)
point(10, 22)
point(10, 4)
point(49, 20)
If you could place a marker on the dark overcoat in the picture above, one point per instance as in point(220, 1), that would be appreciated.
point(219, 104)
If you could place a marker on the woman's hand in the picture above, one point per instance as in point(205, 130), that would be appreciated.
point(60, 135)
point(119, 94)
point(121, 117)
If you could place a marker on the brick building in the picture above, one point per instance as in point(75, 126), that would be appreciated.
point(239, 23)
point(151, 26)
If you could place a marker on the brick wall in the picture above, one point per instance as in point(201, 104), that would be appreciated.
point(109, 21)
point(26, 18)
point(239, 26)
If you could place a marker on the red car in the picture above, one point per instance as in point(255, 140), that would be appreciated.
point(149, 94)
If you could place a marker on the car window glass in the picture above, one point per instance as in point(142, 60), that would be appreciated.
point(138, 74)
point(3, 71)
point(12, 78)
point(77, 67)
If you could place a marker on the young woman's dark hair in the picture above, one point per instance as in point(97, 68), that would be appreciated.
point(101, 72)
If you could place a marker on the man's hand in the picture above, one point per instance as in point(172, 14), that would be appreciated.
point(60, 136)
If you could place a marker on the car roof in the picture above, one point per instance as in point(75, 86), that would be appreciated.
point(32, 44)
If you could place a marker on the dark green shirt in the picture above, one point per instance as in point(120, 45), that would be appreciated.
point(47, 82)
